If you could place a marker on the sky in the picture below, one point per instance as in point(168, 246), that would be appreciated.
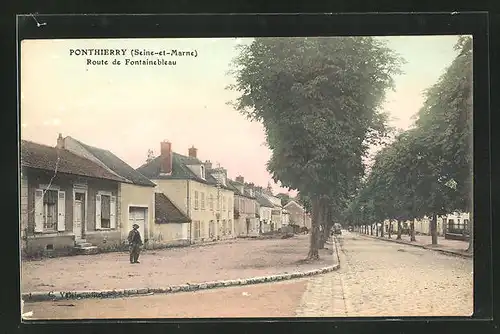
point(129, 109)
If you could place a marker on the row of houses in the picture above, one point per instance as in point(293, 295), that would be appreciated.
point(455, 225)
point(77, 197)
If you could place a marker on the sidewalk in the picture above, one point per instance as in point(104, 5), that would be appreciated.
point(455, 247)
point(178, 266)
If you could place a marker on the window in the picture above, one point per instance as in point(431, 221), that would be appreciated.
point(211, 229)
point(202, 172)
point(105, 205)
point(50, 210)
point(203, 201)
point(223, 203)
point(458, 227)
point(229, 204)
point(105, 211)
point(202, 230)
point(211, 202)
point(196, 200)
point(196, 230)
point(451, 225)
point(230, 227)
point(224, 228)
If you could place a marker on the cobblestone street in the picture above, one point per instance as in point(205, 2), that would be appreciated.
point(376, 278)
point(379, 278)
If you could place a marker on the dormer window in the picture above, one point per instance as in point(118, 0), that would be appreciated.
point(202, 172)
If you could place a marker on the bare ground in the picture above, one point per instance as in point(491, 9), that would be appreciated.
point(242, 258)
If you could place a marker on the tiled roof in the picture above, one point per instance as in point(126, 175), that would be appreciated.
point(44, 157)
point(168, 212)
point(234, 186)
point(263, 201)
point(292, 202)
point(119, 166)
point(179, 170)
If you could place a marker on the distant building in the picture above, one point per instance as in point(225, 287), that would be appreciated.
point(451, 226)
point(277, 211)
point(245, 203)
point(297, 214)
point(265, 210)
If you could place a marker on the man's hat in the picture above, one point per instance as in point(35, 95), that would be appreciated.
point(135, 225)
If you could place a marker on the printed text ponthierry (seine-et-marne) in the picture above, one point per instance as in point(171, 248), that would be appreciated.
point(132, 53)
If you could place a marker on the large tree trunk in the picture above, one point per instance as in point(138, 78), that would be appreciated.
point(390, 229)
point(371, 229)
point(324, 225)
point(470, 249)
point(323, 237)
point(376, 229)
point(382, 230)
point(412, 231)
point(399, 230)
point(315, 222)
point(433, 228)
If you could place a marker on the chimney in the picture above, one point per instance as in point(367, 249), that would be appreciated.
point(192, 152)
point(166, 157)
point(60, 142)
point(240, 179)
point(208, 164)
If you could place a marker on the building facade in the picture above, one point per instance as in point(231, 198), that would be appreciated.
point(197, 190)
point(455, 225)
point(66, 201)
point(265, 211)
point(245, 205)
point(135, 197)
point(298, 215)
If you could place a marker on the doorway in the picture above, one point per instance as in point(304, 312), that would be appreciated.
point(79, 218)
point(137, 215)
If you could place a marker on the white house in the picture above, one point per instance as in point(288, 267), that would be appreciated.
point(297, 214)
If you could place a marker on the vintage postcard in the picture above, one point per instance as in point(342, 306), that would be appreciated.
point(246, 177)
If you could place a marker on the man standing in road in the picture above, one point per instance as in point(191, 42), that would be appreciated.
point(135, 243)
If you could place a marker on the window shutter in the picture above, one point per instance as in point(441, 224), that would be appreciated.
point(61, 209)
point(112, 214)
point(38, 210)
point(98, 212)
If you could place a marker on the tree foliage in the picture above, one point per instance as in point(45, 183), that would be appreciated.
point(319, 102)
point(427, 170)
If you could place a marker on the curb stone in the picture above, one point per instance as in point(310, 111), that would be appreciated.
point(444, 251)
point(120, 293)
